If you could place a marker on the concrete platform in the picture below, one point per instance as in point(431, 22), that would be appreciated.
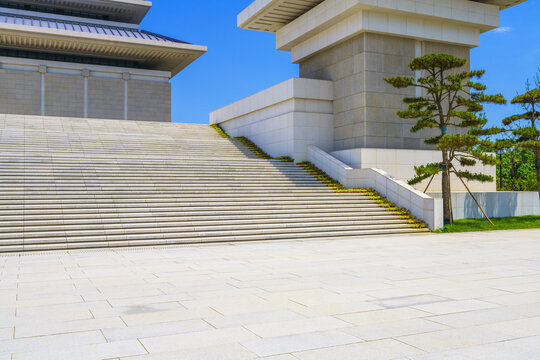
point(414, 297)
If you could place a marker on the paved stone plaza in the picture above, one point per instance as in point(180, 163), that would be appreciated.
point(419, 297)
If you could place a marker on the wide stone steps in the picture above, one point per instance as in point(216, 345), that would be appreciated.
point(159, 238)
point(187, 230)
point(77, 183)
point(83, 224)
point(301, 234)
point(151, 211)
point(50, 197)
point(142, 164)
point(89, 193)
point(139, 146)
point(36, 200)
point(181, 221)
point(22, 218)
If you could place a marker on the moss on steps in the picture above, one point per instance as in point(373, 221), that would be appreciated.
point(250, 145)
point(220, 131)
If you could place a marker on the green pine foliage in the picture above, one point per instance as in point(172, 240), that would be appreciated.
point(523, 133)
point(518, 170)
point(452, 102)
point(527, 134)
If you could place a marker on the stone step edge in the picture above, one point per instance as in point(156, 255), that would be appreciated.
point(197, 240)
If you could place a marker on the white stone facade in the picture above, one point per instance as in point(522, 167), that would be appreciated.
point(401, 162)
point(355, 44)
point(284, 119)
point(364, 104)
point(454, 22)
point(351, 46)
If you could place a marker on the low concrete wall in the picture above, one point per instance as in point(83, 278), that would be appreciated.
point(419, 204)
point(284, 119)
point(495, 204)
point(401, 162)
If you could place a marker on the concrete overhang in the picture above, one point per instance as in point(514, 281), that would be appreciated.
point(272, 15)
point(503, 4)
point(151, 54)
point(127, 11)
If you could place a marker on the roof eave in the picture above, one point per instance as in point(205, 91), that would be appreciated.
point(159, 55)
point(254, 16)
point(502, 4)
point(253, 10)
point(136, 10)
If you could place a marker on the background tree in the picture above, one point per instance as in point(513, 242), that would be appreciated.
point(525, 130)
point(518, 170)
point(452, 99)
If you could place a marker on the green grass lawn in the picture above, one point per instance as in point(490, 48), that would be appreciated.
point(521, 222)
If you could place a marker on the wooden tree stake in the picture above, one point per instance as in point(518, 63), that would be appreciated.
point(476, 201)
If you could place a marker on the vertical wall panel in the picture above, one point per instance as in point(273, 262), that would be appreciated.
point(105, 98)
point(20, 92)
point(149, 101)
point(364, 105)
point(64, 95)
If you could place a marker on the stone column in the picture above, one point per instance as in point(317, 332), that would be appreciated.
point(125, 77)
point(42, 70)
point(85, 74)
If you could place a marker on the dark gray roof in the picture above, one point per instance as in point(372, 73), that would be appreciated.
point(85, 27)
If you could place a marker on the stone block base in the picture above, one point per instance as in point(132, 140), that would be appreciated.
point(400, 164)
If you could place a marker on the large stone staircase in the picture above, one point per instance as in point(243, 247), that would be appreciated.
point(76, 183)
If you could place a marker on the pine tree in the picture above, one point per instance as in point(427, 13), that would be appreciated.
point(452, 99)
point(525, 131)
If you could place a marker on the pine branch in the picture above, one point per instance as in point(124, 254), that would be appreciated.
point(400, 82)
point(424, 172)
point(483, 178)
point(466, 161)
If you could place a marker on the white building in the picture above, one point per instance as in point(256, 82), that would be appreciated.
point(87, 58)
point(340, 102)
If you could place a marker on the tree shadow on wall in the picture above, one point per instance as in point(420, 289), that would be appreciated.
point(501, 204)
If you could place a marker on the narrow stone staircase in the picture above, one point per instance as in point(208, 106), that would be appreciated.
point(80, 183)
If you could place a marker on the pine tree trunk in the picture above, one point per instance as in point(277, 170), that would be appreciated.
point(447, 203)
point(537, 162)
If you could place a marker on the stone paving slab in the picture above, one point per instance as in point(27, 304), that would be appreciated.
point(406, 297)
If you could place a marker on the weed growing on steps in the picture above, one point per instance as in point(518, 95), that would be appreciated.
point(254, 148)
point(250, 145)
point(220, 131)
point(403, 214)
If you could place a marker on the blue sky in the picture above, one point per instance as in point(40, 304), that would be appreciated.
point(241, 62)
